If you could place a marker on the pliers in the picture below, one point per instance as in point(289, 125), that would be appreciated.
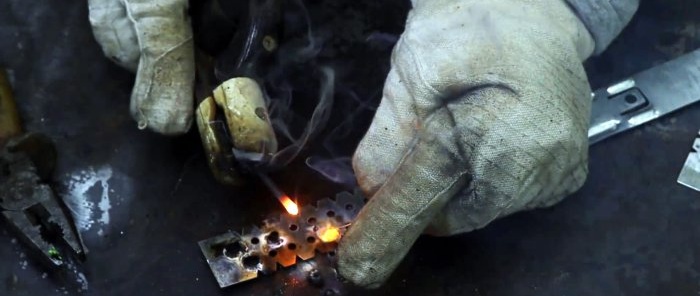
point(27, 203)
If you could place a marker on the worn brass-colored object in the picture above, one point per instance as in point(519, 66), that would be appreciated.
point(220, 162)
point(234, 124)
point(242, 103)
point(9, 118)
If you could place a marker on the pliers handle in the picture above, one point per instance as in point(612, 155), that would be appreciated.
point(27, 203)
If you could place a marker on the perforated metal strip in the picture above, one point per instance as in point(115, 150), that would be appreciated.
point(235, 258)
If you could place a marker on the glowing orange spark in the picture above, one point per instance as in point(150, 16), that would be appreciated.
point(289, 205)
point(328, 234)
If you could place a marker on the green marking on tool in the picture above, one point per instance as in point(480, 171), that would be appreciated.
point(53, 252)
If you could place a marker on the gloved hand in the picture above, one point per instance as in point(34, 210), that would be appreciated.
point(484, 113)
point(153, 38)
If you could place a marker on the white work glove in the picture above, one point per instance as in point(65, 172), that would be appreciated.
point(484, 113)
point(153, 38)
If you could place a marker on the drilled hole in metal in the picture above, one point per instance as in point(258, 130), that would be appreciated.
point(254, 240)
point(293, 227)
point(292, 246)
point(311, 220)
point(251, 261)
point(273, 238)
point(310, 239)
point(315, 278)
point(349, 207)
point(330, 214)
point(232, 250)
point(630, 99)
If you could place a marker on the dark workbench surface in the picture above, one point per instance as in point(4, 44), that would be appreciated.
point(143, 200)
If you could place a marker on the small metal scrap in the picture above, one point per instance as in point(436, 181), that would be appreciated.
point(690, 174)
point(645, 96)
point(235, 258)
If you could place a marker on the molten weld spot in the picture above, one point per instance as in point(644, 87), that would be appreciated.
point(329, 234)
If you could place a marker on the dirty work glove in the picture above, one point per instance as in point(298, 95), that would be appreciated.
point(484, 113)
point(154, 39)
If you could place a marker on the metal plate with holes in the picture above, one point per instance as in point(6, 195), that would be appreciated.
point(645, 96)
point(235, 258)
point(690, 174)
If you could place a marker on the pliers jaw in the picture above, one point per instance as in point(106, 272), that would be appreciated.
point(29, 206)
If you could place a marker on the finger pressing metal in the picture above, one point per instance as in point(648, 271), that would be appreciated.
point(389, 224)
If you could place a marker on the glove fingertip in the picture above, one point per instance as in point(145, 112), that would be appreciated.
point(356, 270)
point(164, 121)
point(115, 33)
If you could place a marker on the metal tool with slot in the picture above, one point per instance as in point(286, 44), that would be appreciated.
point(645, 96)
